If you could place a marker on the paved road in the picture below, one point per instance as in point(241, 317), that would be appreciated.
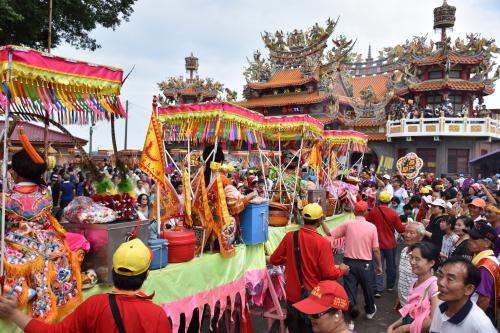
point(384, 317)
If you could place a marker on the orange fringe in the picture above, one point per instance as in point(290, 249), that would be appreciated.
point(56, 225)
point(22, 270)
point(26, 271)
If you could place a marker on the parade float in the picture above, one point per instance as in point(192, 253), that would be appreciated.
point(38, 86)
point(221, 276)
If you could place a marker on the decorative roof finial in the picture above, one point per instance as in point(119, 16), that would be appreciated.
point(369, 58)
point(444, 18)
point(191, 65)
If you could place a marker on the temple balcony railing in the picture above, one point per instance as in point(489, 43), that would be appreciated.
point(444, 126)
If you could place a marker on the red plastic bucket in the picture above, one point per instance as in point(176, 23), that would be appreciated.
point(181, 244)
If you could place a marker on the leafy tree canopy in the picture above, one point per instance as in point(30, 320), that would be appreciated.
point(25, 22)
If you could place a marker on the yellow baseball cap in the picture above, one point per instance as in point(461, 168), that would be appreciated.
point(132, 258)
point(384, 197)
point(424, 190)
point(312, 211)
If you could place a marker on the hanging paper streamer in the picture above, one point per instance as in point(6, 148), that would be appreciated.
point(341, 141)
point(67, 91)
point(204, 121)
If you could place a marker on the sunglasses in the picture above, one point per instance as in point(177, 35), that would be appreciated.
point(321, 314)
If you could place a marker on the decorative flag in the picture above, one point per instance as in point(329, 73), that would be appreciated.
point(187, 198)
point(152, 159)
point(315, 160)
point(169, 203)
point(224, 226)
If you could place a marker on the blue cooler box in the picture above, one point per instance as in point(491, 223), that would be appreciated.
point(160, 251)
point(254, 223)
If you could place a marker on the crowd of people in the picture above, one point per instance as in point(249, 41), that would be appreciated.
point(442, 232)
point(445, 232)
point(409, 110)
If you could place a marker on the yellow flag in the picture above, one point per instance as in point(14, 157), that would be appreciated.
point(152, 159)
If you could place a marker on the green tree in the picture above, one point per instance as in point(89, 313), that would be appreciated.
point(25, 22)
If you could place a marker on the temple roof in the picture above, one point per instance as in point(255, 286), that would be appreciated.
point(326, 118)
point(439, 57)
point(452, 84)
point(287, 99)
point(189, 91)
point(36, 135)
point(284, 78)
point(367, 123)
point(378, 82)
point(376, 136)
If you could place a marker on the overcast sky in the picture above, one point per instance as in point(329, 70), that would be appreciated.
point(223, 33)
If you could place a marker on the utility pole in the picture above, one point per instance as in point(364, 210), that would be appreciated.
point(49, 42)
point(126, 124)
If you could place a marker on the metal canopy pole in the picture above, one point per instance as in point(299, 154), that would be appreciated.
point(263, 173)
point(296, 178)
point(4, 169)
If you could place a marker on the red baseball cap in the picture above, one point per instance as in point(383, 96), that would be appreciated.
point(326, 295)
point(360, 206)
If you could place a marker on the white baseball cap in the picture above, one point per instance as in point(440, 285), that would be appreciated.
point(439, 202)
point(386, 176)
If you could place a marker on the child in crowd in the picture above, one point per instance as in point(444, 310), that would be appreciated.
point(447, 225)
point(407, 215)
point(397, 205)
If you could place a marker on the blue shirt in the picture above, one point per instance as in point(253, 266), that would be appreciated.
point(67, 188)
point(79, 189)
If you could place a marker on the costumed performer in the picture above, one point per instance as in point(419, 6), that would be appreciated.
point(40, 267)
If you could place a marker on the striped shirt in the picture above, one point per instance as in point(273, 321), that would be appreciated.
point(448, 245)
point(406, 277)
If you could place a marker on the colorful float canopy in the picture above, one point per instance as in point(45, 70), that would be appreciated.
point(203, 122)
point(68, 91)
point(292, 127)
point(342, 141)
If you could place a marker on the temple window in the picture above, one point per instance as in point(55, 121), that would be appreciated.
point(433, 101)
point(458, 160)
point(457, 101)
point(428, 155)
point(454, 74)
point(433, 75)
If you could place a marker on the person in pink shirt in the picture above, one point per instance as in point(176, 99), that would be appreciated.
point(361, 242)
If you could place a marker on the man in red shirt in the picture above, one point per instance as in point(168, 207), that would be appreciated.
point(386, 221)
point(316, 264)
point(133, 310)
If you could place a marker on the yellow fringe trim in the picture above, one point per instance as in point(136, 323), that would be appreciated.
point(56, 225)
point(23, 270)
point(26, 271)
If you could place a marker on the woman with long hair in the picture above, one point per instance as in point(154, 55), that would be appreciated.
point(422, 300)
point(462, 225)
point(143, 206)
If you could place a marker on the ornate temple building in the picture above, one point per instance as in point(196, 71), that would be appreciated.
point(193, 89)
point(292, 81)
point(420, 96)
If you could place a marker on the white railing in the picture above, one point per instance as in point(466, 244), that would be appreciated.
point(443, 126)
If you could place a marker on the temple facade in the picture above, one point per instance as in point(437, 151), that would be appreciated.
point(421, 96)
